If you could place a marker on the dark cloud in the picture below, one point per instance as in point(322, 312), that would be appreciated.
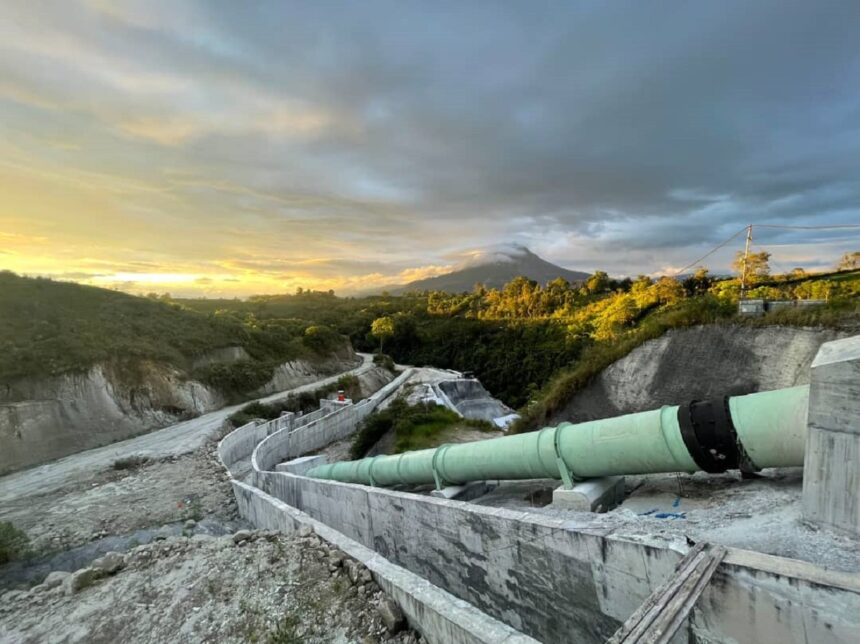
point(407, 131)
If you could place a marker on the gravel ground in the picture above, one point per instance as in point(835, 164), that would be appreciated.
point(761, 514)
point(253, 586)
point(131, 495)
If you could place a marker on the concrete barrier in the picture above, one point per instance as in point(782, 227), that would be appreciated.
point(552, 579)
point(438, 615)
point(324, 430)
point(557, 580)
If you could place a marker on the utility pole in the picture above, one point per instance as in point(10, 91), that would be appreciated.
point(746, 255)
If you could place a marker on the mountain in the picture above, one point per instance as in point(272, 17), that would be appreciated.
point(493, 267)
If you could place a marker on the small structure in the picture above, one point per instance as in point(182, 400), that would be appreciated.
point(760, 306)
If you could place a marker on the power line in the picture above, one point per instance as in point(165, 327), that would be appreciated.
point(744, 229)
point(806, 227)
point(711, 252)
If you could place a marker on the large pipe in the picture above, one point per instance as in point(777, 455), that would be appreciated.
point(749, 432)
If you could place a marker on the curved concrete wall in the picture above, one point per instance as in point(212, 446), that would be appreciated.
point(440, 616)
point(552, 579)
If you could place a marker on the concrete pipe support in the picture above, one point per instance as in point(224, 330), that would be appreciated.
point(749, 432)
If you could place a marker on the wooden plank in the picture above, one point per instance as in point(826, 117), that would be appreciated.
point(682, 604)
point(661, 615)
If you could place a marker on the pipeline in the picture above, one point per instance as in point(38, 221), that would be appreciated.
point(750, 432)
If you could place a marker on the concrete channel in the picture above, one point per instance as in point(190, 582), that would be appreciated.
point(464, 572)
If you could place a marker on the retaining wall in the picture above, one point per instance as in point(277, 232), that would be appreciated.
point(334, 426)
point(440, 617)
point(558, 580)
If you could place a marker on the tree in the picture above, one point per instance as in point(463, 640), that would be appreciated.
point(382, 328)
point(849, 262)
point(756, 265)
point(668, 290)
point(699, 282)
point(597, 283)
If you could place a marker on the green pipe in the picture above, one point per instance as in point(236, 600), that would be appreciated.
point(760, 430)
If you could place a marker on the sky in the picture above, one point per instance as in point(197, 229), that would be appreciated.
point(226, 148)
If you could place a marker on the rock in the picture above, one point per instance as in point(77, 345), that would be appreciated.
point(241, 535)
point(366, 577)
point(391, 616)
point(305, 530)
point(55, 578)
point(110, 563)
point(336, 558)
point(189, 525)
point(12, 595)
point(353, 570)
point(79, 580)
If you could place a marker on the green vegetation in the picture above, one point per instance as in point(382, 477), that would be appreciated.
point(415, 427)
point(306, 401)
point(534, 345)
point(48, 327)
point(14, 543)
point(531, 345)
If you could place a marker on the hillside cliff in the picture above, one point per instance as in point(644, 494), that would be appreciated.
point(44, 418)
point(698, 363)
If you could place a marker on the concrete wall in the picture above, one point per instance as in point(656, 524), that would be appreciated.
point(558, 581)
point(334, 426)
point(555, 580)
point(439, 616)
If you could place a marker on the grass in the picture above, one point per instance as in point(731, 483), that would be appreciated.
point(14, 543)
point(415, 427)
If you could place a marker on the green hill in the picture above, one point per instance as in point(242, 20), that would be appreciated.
point(49, 327)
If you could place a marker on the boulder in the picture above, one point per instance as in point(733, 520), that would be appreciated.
point(56, 578)
point(241, 535)
point(80, 579)
point(392, 616)
point(110, 563)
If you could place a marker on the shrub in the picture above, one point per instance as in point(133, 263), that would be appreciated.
point(415, 426)
point(321, 339)
point(384, 361)
point(236, 379)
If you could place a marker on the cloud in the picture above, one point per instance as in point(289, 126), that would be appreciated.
point(286, 142)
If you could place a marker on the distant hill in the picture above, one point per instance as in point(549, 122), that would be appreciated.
point(493, 267)
point(48, 328)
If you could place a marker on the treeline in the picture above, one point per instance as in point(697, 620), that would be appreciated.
point(518, 337)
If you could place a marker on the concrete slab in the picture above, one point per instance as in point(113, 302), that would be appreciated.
point(595, 495)
point(467, 492)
